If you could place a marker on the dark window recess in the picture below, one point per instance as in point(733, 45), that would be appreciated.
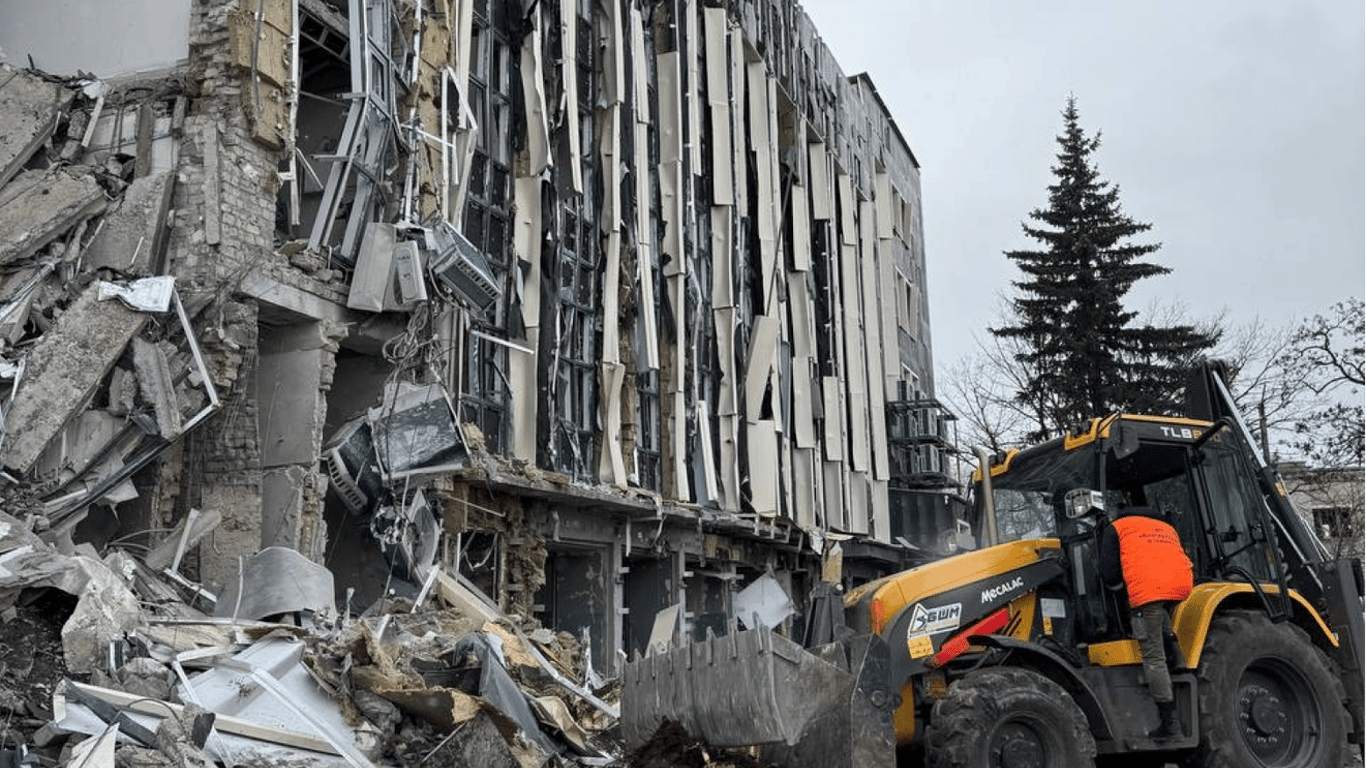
point(325, 79)
point(1330, 521)
point(485, 402)
point(647, 435)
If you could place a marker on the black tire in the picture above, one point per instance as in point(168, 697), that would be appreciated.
point(1268, 698)
point(1008, 718)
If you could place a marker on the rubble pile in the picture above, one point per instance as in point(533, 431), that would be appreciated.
point(100, 368)
point(107, 662)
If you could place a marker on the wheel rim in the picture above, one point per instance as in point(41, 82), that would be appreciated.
point(1017, 745)
point(1277, 715)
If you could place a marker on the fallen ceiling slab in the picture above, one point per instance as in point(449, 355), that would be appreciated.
point(62, 371)
point(37, 207)
point(30, 108)
point(133, 237)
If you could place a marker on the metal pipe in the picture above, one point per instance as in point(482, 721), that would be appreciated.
point(988, 500)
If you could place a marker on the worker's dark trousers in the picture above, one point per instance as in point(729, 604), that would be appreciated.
point(1149, 622)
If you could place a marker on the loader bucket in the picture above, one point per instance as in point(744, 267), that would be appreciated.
point(827, 709)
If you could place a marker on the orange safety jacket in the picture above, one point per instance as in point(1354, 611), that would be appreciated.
point(1155, 566)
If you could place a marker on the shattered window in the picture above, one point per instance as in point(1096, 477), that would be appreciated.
point(487, 214)
point(489, 195)
point(325, 79)
point(822, 268)
point(704, 350)
point(575, 366)
point(578, 266)
point(647, 439)
point(486, 391)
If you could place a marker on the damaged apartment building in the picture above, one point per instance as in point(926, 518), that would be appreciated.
point(614, 307)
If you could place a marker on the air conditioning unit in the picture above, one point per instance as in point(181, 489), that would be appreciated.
point(388, 272)
point(929, 459)
point(416, 433)
point(351, 466)
point(409, 283)
point(462, 267)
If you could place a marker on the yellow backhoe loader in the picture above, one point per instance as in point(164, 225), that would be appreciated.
point(1017, 654)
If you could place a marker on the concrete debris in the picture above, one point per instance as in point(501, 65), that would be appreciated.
point(133, 236)
point(105, 606)
point(31, 107)
point(62, 371)
point(92, 389)
point(458, 684)
point(38, 207)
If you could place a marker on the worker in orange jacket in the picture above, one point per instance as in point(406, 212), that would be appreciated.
point(1146, 553)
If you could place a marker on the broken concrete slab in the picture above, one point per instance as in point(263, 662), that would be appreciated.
point(62, 371)
point(133, 236)
point(39, 206)
point(30, 108)
point(157, 386)
point(106, 611)
point(106, 608)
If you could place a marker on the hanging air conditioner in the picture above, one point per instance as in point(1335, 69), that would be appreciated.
point(351, 467)
point(462, 267)
point(929, 459)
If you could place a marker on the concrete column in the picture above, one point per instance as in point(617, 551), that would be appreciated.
point(294, 374)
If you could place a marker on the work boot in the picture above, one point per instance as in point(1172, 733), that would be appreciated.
point(1170, 728)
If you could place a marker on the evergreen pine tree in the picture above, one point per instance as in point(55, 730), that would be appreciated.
point(1083, 352)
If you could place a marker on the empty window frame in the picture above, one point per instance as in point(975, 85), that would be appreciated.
point(487, 214)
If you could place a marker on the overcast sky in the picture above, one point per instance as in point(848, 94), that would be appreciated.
point(1237, 128)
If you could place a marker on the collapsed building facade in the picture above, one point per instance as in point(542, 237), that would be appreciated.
point(612, 307)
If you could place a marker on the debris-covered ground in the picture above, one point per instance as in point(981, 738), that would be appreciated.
point(104, 661)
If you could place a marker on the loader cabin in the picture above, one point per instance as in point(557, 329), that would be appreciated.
point(1190, 473)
